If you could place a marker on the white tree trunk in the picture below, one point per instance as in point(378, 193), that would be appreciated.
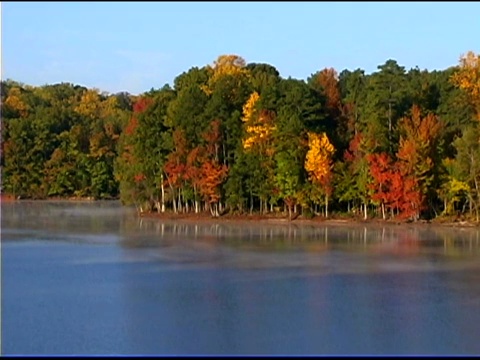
point(162, 206)
point(326, 205)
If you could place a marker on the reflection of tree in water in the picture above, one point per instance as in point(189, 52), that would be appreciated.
point(455, 242)
point(246, 236)
point(63, 219)
point(406, 244)
point(398, 240)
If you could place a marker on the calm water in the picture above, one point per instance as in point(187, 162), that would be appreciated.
point(91, 278)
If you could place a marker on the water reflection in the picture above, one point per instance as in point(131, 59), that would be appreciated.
point(92, 278)
point(108, 221)
point(393, 239)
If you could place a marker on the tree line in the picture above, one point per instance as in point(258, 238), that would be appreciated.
point(237, 137)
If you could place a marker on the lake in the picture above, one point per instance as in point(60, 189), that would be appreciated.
point(91, 278)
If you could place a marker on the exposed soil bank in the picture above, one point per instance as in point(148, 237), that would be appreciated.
point(315, 221)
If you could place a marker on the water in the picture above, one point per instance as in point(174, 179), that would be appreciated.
point(92, 278)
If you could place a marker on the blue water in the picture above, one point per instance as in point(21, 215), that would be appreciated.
point(91, 278)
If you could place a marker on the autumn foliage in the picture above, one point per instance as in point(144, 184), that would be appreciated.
point(467, 78)
point(258, 124)
point(319, 164)
point(234, 136)
point(328, 80)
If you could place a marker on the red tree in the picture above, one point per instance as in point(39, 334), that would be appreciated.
point(382, 172)
point(212, 173)
point(175, 166)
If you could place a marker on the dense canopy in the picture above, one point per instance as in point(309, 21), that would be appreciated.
point(237, 137)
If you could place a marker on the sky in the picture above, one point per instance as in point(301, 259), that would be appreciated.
point(137, 46)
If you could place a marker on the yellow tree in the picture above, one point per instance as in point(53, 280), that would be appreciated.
point(318, 164)
point(89, 105)
point(258, 124)
point(15, 102)
point(467, 78)
point(108, 107)
point(259, 127)
point(228, 65)
point(233, 65)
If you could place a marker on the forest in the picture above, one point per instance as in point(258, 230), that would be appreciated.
point(235, 137)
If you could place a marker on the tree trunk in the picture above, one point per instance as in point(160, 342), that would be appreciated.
point(174, 201)
point(326, 205)
point(210, 208)
point(251, 203)
point(162, 206)
point(224, 154)
point(214, 209)
point(197, 207)
point(383, 211)
point(470, 205)
point(476, 202)
point(366, 214)
point(173, 195)
point(175, 210)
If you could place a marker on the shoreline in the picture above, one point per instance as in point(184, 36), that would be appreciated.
point(316, 221)
point(205, 217)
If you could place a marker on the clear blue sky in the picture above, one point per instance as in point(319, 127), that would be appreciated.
point(134, 46)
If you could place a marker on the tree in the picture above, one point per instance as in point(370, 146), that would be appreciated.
point(356, 168)
point(14, 105)
point(454, 188)
point(417, 154)
point(467, 78)
point(212, 172)
point(467, 162)
point(232, 65)
point(352, 89)
point(289, 156)
point(129, 169)
point(326, 83)
point(384, 105)
point(154, 142)
point(381, 168)
point(318, 164)
point(187, 112)
point(259, 148)
point(175, 166)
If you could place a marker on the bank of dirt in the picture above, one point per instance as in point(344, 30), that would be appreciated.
point(205, 217)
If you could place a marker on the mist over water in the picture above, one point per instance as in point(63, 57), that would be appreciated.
point(93, 278)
